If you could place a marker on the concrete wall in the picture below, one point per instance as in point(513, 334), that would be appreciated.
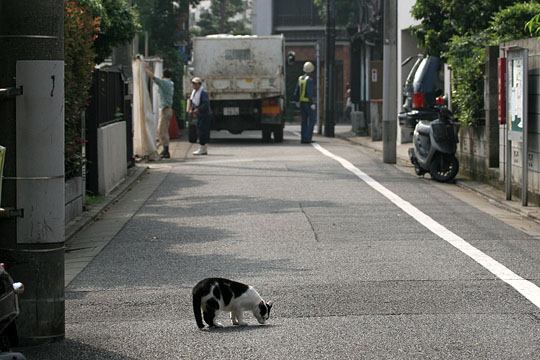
point(74, 194)
point(112, 163)
point(474, 146)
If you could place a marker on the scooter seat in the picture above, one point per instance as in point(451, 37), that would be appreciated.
point(423, 129)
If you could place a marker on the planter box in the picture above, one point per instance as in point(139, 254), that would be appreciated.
point(74, 194)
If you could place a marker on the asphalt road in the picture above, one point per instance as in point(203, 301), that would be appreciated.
point(352, 275)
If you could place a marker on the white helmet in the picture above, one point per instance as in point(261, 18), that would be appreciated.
point(308, 67)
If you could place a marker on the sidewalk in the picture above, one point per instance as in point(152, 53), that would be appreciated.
point(495, 196)
point(84, 243)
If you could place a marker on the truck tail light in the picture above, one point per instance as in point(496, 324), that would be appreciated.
point(270, 107)
point(418, 100)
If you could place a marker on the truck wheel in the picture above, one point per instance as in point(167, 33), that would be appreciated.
point(266, 134)
point(278, 134)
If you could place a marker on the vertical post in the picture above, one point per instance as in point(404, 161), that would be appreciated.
point(517, 93)
point(318, 52)
point(508, 166)
point(389, 127)
point(525, 150)
point(145, 44)
point(33, 31)
point(330, 65)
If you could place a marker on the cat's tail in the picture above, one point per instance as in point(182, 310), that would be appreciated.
point(197, 309)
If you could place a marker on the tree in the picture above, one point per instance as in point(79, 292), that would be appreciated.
point(160, 18)
point(119, 24)
point(441, 20)
point(465, 53)
point(218, 18)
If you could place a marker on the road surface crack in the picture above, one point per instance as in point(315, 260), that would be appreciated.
point(315, 236)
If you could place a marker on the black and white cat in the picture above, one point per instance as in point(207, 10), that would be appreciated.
point(216, 294)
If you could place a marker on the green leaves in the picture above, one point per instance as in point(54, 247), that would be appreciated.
point(218, 19)
point(533, 25)
point(119, 24)
point(517, 21)
point(440, 20)
point(466, 56)
point(460, 30)
point(81, 26)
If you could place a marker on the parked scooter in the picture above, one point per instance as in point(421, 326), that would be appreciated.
point(9, 310)
point(435, 144)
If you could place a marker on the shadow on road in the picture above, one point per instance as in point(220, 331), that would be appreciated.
point(70, 350)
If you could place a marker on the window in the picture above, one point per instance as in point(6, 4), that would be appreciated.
point(238, 54)
point(296, 13)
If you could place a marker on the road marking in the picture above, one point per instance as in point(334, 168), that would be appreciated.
point(526, 288)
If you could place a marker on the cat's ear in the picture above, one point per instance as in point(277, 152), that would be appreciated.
point(269, 304)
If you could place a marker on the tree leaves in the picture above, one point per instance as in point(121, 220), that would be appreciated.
point(218, 19)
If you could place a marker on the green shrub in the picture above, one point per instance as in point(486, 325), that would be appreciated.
point(80, 30)
point(466, 55)
point(511, 23)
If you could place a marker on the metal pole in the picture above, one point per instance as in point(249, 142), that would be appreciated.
point(318, 51)
point(390, 82)
point(33, 31)
point(525, 150)
point(330, 65)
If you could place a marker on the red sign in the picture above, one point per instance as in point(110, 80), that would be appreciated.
point(501, 100)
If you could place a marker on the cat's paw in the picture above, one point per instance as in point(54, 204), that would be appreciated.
point(218, 325)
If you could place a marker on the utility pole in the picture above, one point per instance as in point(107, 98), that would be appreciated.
point(330, 92)
point(32, 130)
point(389, 124)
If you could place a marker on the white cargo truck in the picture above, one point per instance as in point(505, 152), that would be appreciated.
point(245, 79)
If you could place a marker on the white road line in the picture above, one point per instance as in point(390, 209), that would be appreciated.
point(526, 288)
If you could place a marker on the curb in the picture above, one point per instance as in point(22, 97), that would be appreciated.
point(499, 200)
point(89, 216)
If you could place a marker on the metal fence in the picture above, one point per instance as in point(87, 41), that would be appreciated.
point(110, 102)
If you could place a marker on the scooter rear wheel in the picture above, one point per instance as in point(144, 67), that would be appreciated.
point(444, 167)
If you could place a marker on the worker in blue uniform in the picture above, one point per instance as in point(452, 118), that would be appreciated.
point(304, 94)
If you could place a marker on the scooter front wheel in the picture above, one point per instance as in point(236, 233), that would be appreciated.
point(444, 167)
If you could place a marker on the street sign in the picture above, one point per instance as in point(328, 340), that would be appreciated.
point(517, 76)
point(516, 96)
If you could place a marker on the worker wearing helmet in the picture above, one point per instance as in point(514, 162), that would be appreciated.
point(304, 95)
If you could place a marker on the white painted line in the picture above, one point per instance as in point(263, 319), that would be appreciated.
point(526, 288)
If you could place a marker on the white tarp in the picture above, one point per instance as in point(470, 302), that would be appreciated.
point(144, 121)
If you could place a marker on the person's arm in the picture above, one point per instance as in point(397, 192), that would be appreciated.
point(149, 71)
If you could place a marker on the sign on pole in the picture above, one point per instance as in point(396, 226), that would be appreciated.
point(516, 95)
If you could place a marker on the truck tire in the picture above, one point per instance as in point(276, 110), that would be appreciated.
point(266, 134)
point(278, 134)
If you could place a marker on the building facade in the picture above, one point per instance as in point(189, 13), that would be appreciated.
point(300, 23)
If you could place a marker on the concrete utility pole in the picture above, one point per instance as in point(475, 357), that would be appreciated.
point(32, 130)
point(330, 92)
point(389, 125)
